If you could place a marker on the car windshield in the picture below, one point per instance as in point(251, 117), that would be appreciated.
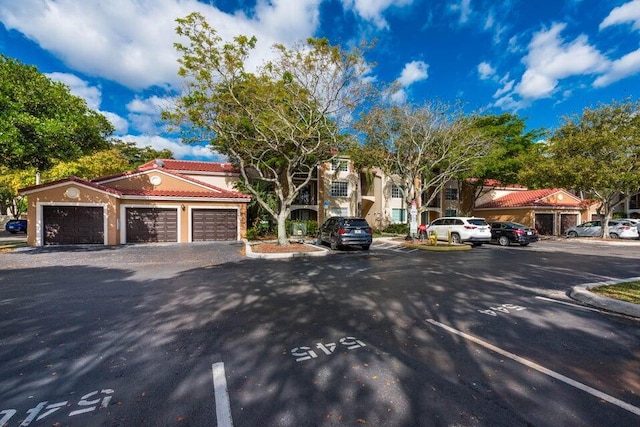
point(477, 221)
point(355, 223)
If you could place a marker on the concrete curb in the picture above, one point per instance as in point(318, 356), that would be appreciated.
point(251, 254)
point(583, 294)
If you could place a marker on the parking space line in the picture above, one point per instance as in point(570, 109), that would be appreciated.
point(221, 393)
point(597, 393)
point(568, 303)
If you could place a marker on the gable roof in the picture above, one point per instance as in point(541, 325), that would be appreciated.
point(534, 198)
point(205, 190)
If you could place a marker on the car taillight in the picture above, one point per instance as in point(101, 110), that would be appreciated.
point(518, 231)
point(341, 230)
point(369, 230)
point(470, 227)
point(625, 227)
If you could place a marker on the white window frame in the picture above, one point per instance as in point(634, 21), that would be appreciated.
point(338, 188)
point(396, 192)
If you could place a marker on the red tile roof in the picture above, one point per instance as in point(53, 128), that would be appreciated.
point(70, 179)
point(190, 166)
point(533, 198)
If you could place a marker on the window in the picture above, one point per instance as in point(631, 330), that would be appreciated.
point(339, 189)
point(398, 215)
point(339, 211)
point(339, 165)
point(451, 194)
point(451, 212)
point(396, 192)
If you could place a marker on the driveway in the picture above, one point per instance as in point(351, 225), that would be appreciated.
point(201, 335)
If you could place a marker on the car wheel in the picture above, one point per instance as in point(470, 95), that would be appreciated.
point(334, 244)
point(572, 234)
point(503, 241)
point(614, 236)
point(455, 238)
point(365, 247)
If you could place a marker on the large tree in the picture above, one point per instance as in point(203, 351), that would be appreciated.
point(40, 121)
point(596, 153)
point(421, 147)
point(277, 123)
point(509, 152)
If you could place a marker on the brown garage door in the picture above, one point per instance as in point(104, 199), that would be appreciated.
point(214, 224)
point(544, 224)
point(73, 225)
point(146, 225)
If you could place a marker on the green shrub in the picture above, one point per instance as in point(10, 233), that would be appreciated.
point(252, 234)
point(397, 229)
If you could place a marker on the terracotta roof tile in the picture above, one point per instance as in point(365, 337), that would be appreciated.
point(191, 166)
point(222, 194)
point(75, 179)
point(531, 198)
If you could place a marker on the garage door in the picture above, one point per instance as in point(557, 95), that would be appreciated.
point(73, 225)
point(214, 224)
point(146, 225)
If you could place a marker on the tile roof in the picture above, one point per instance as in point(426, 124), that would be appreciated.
point(532, 198)
point(70, 179)
point(208, 190)
point(190, 166)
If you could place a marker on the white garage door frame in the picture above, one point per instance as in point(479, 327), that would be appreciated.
point(122, 221)
point(40, 218)
point(212, 207)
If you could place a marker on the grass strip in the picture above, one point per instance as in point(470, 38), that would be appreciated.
point(629, 291)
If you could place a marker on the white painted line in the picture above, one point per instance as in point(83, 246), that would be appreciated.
point(540, 368)
point(223, 408)
point(569, 304)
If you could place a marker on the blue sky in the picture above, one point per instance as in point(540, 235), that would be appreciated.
point(540, 59)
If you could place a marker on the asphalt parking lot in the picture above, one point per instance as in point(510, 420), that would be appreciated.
point(202, 335)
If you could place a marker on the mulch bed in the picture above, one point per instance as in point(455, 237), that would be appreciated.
point(274, 248)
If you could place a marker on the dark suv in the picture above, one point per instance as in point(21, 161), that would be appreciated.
point(346, 231)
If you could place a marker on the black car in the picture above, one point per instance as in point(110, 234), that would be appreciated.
point(506, 232)
point(16, 225)
point(346, 231)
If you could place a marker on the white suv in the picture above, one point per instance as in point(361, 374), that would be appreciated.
point(462, 229)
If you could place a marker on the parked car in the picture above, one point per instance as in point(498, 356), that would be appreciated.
point(618, 229)
point(346, 231)
point(462, 229)
point(16, 225)
point(507, 232)
point(624, 229)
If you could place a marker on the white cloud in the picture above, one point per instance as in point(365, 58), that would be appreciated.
point(550, 59)
point(92, 96)
point(628, 12)
point(412, 72)
point(464, 8)
point(507, 86)
point(486, 71)
point(619, 69)
point(179, 149)
point(372, 10)
point(119, 123)
point(80, 88)
point(132, 42)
